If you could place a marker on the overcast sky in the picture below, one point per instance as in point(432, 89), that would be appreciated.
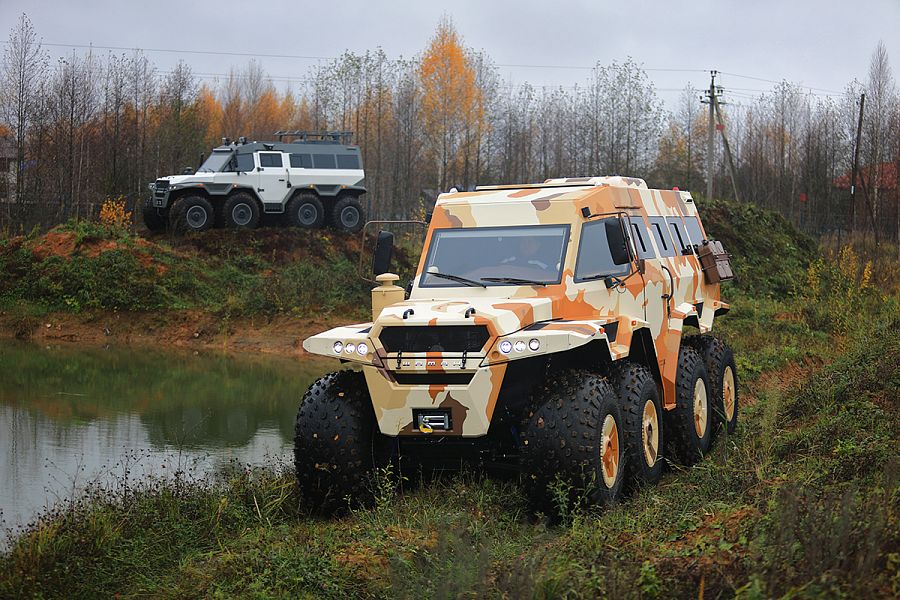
point(820, 43)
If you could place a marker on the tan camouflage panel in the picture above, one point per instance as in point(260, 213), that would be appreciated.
point(572, 314)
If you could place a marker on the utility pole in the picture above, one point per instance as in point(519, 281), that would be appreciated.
point(720, 125)
point(710, 133)
point(855, 170)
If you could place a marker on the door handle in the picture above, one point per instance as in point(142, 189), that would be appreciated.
point(281, 180)
point(668, 297)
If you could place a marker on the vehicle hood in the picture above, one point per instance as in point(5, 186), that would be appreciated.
point(502, 315)
point(183, 179)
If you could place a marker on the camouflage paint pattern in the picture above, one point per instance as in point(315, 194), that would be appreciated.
point(571, 313)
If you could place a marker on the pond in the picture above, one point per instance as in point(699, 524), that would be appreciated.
point(71, 415)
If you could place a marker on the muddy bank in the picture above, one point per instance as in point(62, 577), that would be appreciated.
point(278, 335)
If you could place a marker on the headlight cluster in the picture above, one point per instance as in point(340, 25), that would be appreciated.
point(507, 346)
point(361, 348)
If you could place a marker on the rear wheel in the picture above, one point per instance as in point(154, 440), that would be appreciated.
point(305, 210)
point(689, 425)
point(191, 213)
point(719, 361)
point(642, 420)
point(240, 211)
point(572, 450)
point(347, 214)
point(337, 443)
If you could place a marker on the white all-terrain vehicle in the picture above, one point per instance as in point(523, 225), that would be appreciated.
point(313, 179)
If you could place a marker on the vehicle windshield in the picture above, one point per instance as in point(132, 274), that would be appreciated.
point(496, 256)
point(216, 162)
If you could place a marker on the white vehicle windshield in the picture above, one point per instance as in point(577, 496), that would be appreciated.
point(216, 162)
point(485, 256)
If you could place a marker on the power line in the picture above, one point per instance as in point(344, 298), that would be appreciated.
point(320, 58)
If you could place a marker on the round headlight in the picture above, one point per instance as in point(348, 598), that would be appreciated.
point(350, 348)
point(338, 347)
point(520, 346)
point(534, 344)
point(506, 346)
point(362, 349)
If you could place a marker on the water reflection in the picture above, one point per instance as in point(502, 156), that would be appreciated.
point(69, 415)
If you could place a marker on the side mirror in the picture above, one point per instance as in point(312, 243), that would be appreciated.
point(260, 169)
point(384, 248)
point(187, 171)
point(615, 237)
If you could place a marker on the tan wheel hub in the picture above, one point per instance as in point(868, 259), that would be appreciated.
point(728, 393)
point(650, 433)
point(609, 451)
point(701, 409)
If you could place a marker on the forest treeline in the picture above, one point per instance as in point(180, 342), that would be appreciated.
point(86, 127)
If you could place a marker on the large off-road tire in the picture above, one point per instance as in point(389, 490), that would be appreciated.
point(689, 425)
point(572, 448)
point(305, 210)
point(348, 215)
point(191, 213)
point(240, 211)
point(336, 443)
point(723, 382)
point(152, 219)
point(642, 419)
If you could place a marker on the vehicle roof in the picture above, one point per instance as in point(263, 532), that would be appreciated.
point(290, 147)
point(598, 195)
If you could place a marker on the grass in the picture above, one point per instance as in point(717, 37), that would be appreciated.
point(82, 266)
point(801, 502)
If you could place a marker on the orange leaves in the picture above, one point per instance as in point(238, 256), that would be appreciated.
point(114, 215)
point(452, 101)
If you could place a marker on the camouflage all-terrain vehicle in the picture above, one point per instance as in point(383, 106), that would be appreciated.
point(547, 326)
point(306, 178)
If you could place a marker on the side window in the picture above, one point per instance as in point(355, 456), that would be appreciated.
point(301, 161)
point(323, 161)
point(661, 237)
point(270, 159)
point(347, 161)
point(642, 240)
point(679, 235)
point(244, 162)
point(694, 230)
point(594, 258)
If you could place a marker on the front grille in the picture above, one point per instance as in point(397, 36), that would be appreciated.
point(434, 378)
point(422, 338)
point(162, 184)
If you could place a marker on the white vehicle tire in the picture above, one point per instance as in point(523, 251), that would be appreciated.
point(305, 210)
point(240, 211)
point(347, 215)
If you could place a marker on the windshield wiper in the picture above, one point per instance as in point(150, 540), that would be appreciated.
point(517, 280)
point(611, 280)
point(457, 278)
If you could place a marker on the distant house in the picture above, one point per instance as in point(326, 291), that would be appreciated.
point(887, 177)
point(7, 170)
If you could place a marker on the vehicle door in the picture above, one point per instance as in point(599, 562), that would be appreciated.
point(272, 180)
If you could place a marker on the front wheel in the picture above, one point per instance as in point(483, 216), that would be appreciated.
point(241, 211)
point(152, 219)
point(642, 419)
point(336, 442)
point(572, 450)
point(191, 213)
point(347, 214)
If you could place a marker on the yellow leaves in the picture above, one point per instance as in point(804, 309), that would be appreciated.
point(452, 102)
point(113, 213)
